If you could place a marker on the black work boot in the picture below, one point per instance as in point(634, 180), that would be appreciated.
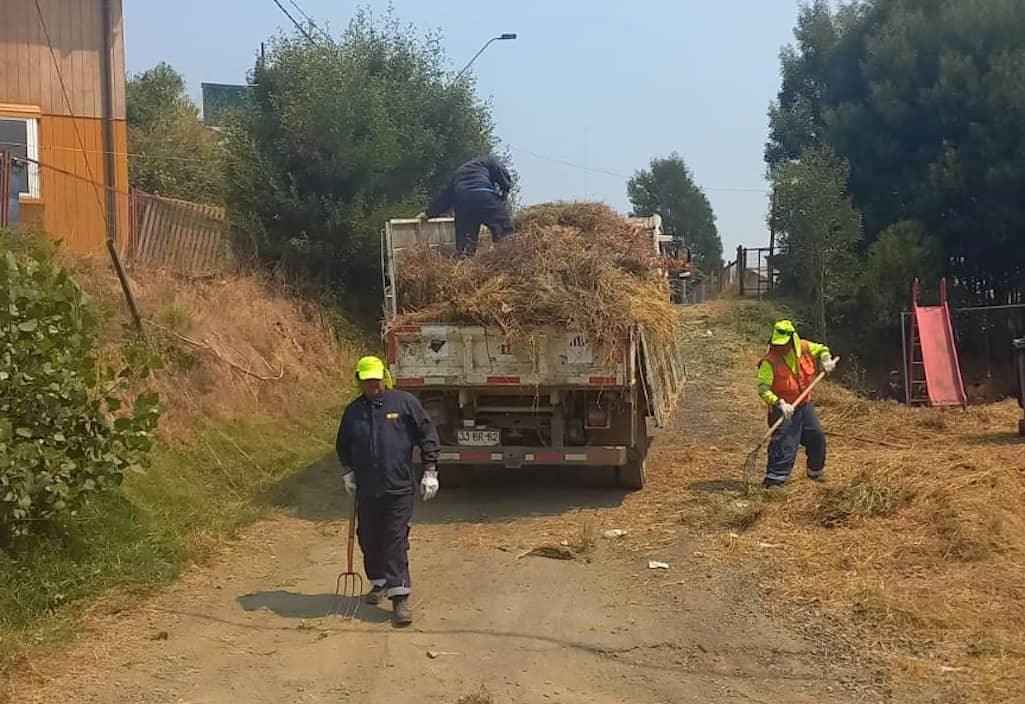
point(770, 484)
point(374, 596)
point(401, 614)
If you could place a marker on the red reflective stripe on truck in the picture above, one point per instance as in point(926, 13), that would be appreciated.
point(407, 329)
point(409, 382)
point(548, 457)
point(602, 380)
point(479, 457)
point(505, 380)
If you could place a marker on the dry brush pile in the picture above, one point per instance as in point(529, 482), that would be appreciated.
point(575, 266)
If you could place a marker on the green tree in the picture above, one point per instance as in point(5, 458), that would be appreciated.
point(339, 136)
point(926, 101)
point(64, 434)
point(818, 230)
point(667, 188)
point(902, 252)
point(172, 153)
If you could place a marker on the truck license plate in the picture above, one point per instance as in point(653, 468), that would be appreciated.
point(479, 438)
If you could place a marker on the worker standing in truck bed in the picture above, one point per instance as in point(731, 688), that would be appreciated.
point(478, 194)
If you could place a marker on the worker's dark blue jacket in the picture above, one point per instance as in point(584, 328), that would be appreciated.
point(376, 441)
point(487, 174)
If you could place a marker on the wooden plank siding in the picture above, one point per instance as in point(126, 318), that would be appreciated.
point(72, 204)
point(28, 75)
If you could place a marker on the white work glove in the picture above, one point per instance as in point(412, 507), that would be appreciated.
point(421, 215)
point(786, 408)
point(349, 480)
point(429, 485)
point(828, 365)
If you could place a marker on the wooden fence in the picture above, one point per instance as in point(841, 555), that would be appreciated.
point(179, 236)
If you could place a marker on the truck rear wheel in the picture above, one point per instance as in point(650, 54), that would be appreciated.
point(632, 475)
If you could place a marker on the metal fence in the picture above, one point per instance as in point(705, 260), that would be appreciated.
point(179, 236)
point(751, 273)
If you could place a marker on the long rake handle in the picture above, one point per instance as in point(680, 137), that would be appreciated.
point(800, 399)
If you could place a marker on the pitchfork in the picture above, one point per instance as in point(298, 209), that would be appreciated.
point(349, 585)
point(752, 458)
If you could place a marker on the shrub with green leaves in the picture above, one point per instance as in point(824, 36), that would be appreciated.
point(63, 431)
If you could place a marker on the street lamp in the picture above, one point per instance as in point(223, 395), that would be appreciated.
point(499, 38)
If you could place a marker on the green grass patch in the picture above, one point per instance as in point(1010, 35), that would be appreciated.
point(130, 541)
point(753, 320)
point(863, 497)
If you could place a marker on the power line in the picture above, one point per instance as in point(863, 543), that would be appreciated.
point(309, 19)
point(292, 19)
point(103, 152)
point(530, 152)
point(71, 174)
point(613, 174)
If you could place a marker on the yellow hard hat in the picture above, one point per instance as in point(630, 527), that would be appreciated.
point(370, 368)
point(782, 332)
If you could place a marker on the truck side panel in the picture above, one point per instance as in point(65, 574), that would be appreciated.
point(474, 356)
point(664, 375)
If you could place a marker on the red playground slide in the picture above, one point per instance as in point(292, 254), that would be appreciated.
point(934, 369)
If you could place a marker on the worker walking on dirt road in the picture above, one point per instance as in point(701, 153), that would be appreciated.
point(375, 443)
point(786, 370)
point(478, 193)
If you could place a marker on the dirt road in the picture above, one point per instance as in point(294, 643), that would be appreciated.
point(256, 627)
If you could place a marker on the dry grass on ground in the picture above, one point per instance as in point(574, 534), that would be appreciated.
point(914, 546)
point(917, 539)
point(252, 383)
point(231, 346)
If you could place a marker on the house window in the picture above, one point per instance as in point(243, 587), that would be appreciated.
point(20, 137)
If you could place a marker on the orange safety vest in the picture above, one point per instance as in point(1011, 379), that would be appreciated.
point(785, 383)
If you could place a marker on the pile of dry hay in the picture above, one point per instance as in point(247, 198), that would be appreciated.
point(578, 266)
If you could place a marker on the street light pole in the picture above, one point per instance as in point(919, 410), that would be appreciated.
point(499, 38)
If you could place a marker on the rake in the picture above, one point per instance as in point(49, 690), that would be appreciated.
point(752, 459)
point(349, 585)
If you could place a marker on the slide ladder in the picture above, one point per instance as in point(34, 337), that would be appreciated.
point(934, 371)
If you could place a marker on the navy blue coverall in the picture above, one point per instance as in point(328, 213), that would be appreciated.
point(376, 440)
point(477, 194)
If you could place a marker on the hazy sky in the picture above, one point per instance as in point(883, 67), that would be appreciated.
point(606, 83)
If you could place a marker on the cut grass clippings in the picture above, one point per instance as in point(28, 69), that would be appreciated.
point(915, 549)
point(917, 545)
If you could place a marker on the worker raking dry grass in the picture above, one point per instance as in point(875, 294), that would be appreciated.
point(577, 266)
point(915, 541)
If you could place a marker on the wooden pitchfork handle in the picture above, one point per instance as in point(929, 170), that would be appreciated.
point(800, 399)
point(351, 547)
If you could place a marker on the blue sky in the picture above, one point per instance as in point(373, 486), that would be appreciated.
point(607, 84)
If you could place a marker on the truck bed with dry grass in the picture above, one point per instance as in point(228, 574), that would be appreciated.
point(549, 348)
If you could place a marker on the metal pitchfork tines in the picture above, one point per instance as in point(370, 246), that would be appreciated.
point(349, 585)
point(752, 458)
